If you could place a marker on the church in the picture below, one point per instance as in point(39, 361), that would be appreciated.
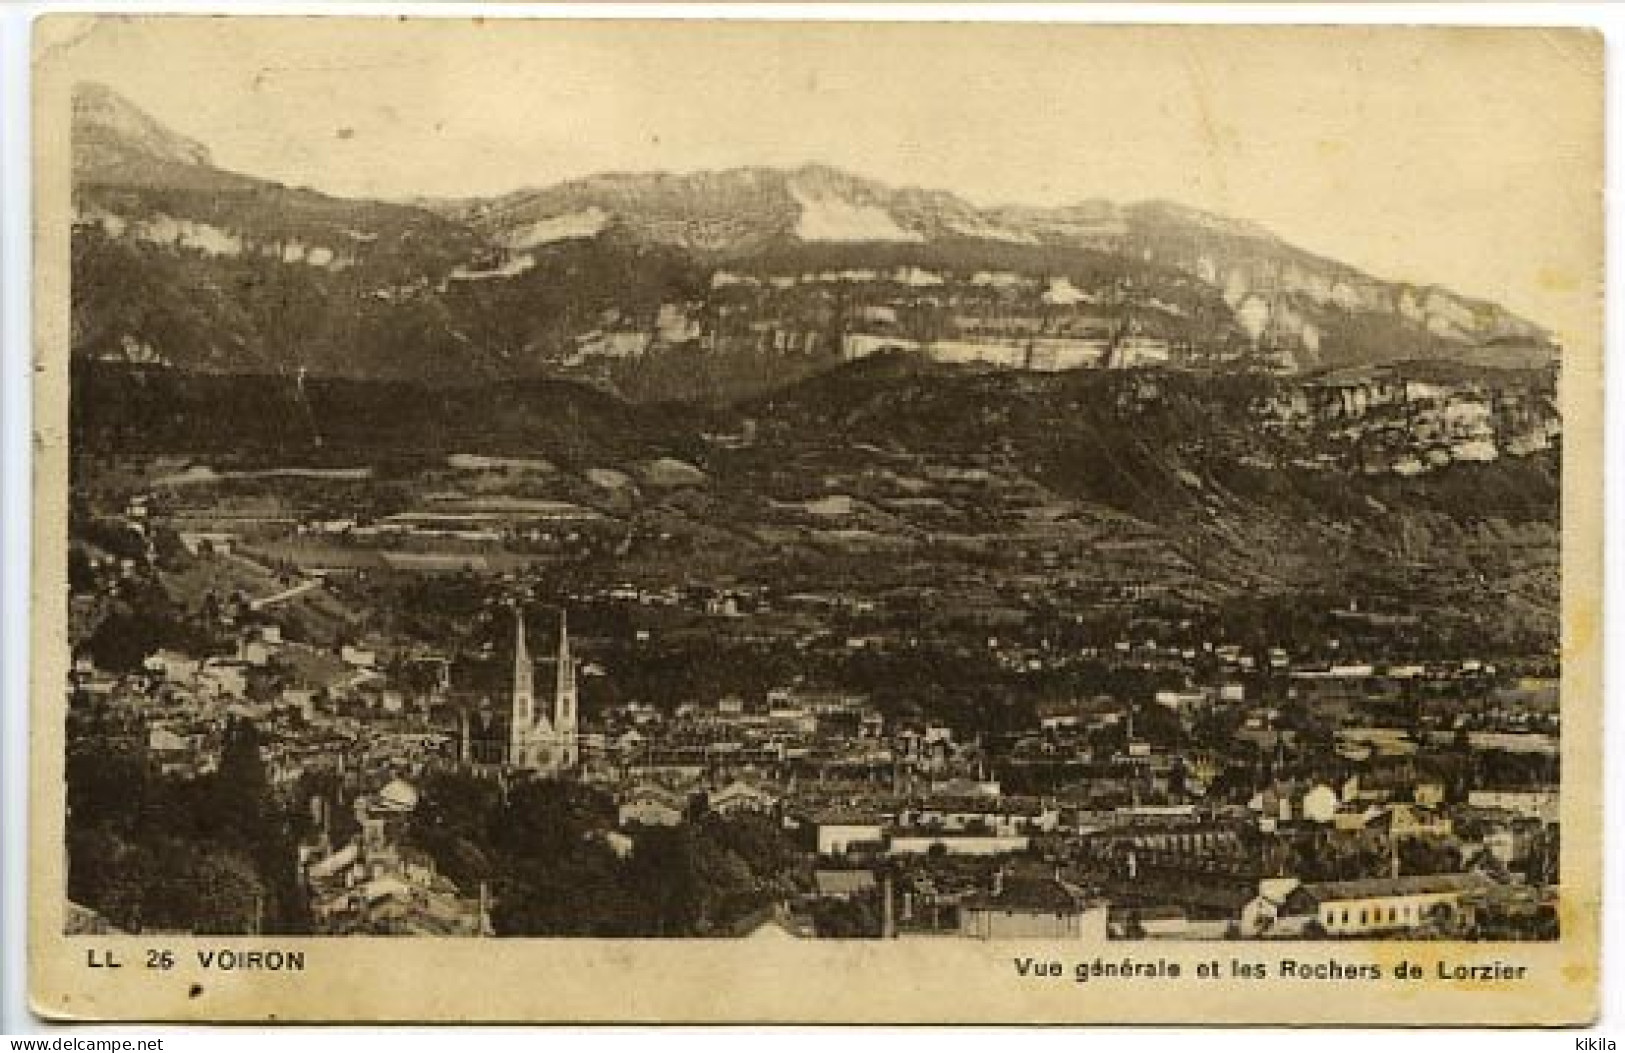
point(528, 739)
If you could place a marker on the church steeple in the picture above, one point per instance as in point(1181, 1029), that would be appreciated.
point(524, 673)
point(564, 698)
point(543, 741)
point(522, 723)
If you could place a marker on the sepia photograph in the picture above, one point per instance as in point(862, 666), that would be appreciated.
point(1050, 496)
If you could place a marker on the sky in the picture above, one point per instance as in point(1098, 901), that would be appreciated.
point(1463, 157)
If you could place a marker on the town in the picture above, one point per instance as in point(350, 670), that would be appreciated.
point(467, 722)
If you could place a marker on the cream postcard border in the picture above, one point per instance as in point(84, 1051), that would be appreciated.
point(619, 981)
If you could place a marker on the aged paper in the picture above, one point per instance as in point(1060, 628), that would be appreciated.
point(668, 521)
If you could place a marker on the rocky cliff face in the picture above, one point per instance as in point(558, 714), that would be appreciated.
point(708, 286)
point(109, 132)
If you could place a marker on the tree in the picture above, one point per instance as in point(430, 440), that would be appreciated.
point(577, 894)
point(1426, 855)
point(1545, 852)
point(850, 919)
point(665, 875)
point(109, 875)
point(240, 785)
point(105, 786)
point(453, 824)
point(121, 642)
point(81, 574)
point(230, 898)
point(169, 550)
point(549, 817)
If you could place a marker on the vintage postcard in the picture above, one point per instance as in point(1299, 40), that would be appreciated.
point(695, 520)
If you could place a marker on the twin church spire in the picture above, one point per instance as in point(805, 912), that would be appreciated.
point(546, 743)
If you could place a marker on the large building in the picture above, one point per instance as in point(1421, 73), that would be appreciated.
point(529, 739)
point(1379, 906)
point(1032, 908)
point(547, 743)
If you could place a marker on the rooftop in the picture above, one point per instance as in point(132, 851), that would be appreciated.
point(1411, 885)
point(1033, 894)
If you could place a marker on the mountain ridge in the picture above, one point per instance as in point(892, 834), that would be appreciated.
point(619, 278)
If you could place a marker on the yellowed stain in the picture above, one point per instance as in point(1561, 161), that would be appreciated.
point(1555, 279)
point(1577, 974)
point(1583, 621)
